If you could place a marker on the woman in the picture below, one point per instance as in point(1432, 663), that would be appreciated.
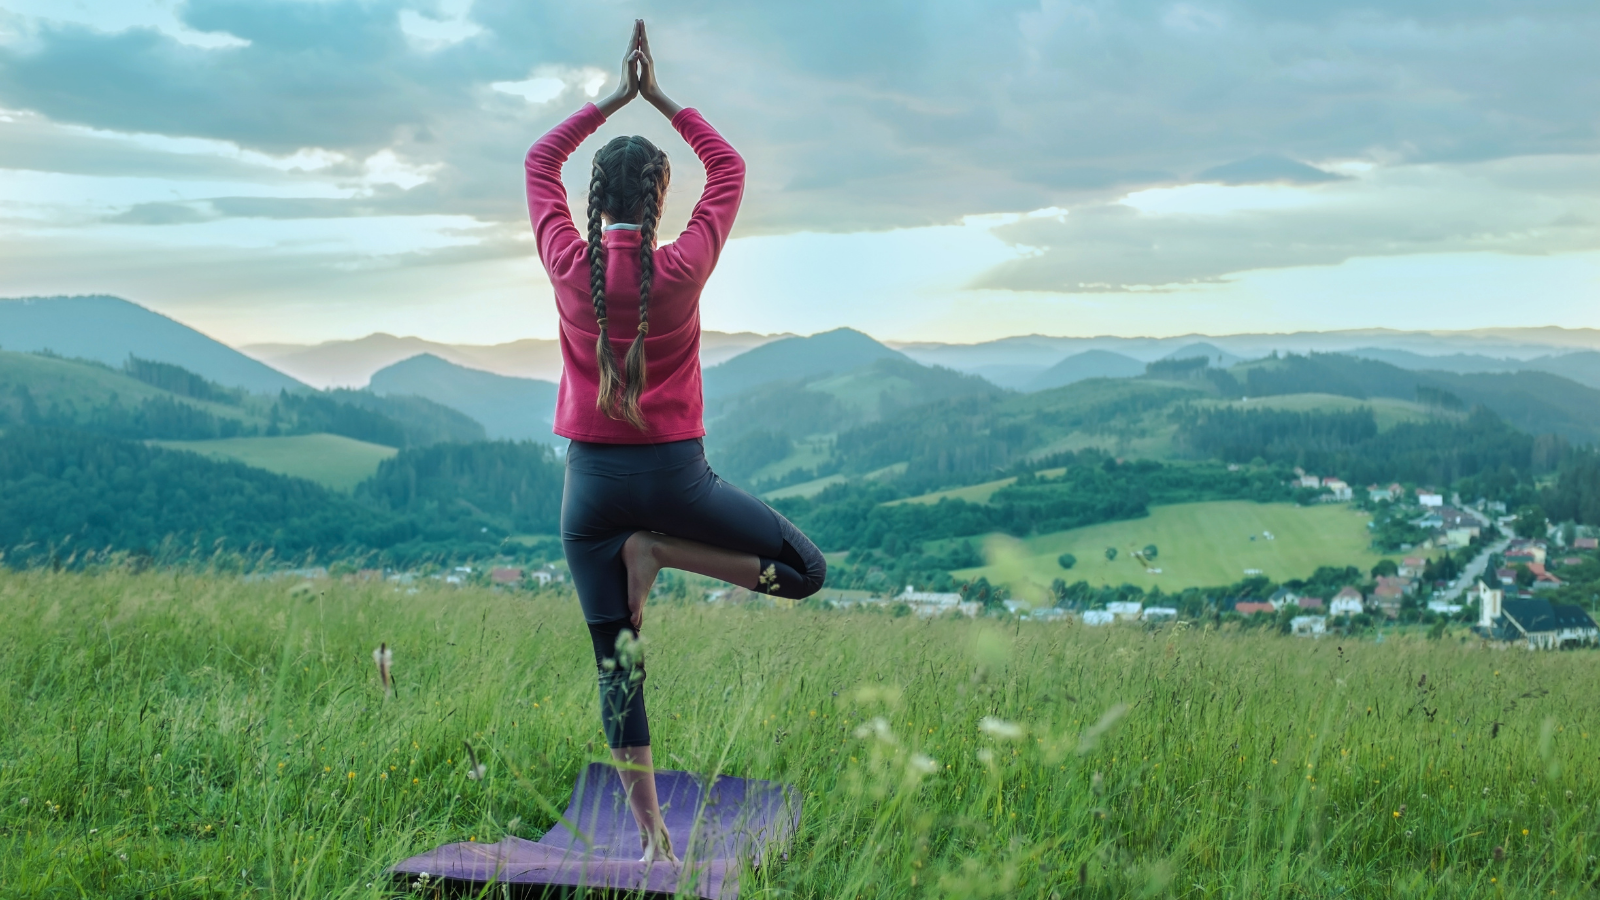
point(639, 495)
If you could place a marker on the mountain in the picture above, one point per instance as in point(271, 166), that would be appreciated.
point(518, 409)
point(109, 330)
point(1582, 367)
point(1088, 364)
point(352, 363)
point(1214, 355)
point(840, 350)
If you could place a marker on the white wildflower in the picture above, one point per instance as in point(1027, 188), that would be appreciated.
point(999, 728)
point(877, 727)
point(986, 756)
point(922, 765)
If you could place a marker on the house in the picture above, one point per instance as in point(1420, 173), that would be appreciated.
point(1538, 623)
point(1525, 551)
point(1385, 600)
point(932, 603)
point(543, 576)
point(1426, 499)
point(1282, 597)
point(1098, 617)
point(1046, 614)
point(1456, 538)
point(1348, 602)
point(1308, 626)
point(1125, 609)
point(1543, 580)
point(1310, 481)
point(1249, 608)
point(1309, 603)
point(1338, 490)
point(1572, 561)
point(1586, 543)
point(1444, 607)
point(1412, 566)
point(1507, 577)
point(1404, 584)
point(505, 576)
point(1158, 613)
point(1375, 493)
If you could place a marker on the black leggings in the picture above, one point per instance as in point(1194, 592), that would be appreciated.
point(614, 490)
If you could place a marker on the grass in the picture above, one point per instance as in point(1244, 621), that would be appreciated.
point(1199, 544)
point(177, 735)
point(71, 383)
point(331, 460)
point(1387, 411)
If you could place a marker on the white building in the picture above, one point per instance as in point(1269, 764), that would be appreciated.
point(1158, 614)
point(1125, 609)
point(1347, 602)
point(1340, 491)
point(1430, 499)
point(1445, 607)
point(1308, 626)
point(1098, 617)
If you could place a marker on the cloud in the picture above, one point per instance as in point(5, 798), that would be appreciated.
point(1168, 238)
point(1188, 141)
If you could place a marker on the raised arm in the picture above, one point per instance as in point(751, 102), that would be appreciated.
point(553, 229)
point(701, 241)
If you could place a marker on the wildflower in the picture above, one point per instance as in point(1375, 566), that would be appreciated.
point(1524, 832)
point(999, 728)
point(24, 801)
point(382, 657)
point(922, 765)
point(475, 770)
point(877, 727)
point(1486, 792)
point(1408, 833)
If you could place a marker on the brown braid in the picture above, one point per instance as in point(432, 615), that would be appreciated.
point(610, 378)
point(651, 181)
point(629, 184)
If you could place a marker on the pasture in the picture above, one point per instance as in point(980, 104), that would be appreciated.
point(183, 735)
point(333, 461)
point(1198, 544)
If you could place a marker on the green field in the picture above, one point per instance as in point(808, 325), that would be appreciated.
point(1199, 544)
point(196, 736)
point(337, 462)
point(1387, 411)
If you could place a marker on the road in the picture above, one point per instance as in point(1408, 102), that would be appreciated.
point(1474, 569)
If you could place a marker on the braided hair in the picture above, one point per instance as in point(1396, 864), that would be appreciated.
point(629, 183)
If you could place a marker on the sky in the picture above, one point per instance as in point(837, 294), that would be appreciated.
point(307, 170)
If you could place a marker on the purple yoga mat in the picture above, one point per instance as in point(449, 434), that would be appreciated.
point(596, 844)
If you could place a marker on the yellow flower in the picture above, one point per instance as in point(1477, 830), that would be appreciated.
point(352, 774)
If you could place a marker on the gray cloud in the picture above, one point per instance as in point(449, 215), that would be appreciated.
point(862, 115)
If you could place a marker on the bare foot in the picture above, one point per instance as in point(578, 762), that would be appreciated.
point(639, 555)
point(659, 850)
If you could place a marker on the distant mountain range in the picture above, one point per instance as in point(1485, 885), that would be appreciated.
point(517, 409)
point(352, 363)
point(109, 330)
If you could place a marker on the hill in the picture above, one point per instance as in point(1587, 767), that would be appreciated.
point(1085, 365)
point(1198, 544)
point(337, 463)
point(837, 351)
point(353, 363)
point(508, 408)
point(1213, 355)
point(109, 330)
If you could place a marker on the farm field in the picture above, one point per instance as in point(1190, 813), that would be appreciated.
point(194, 735)
point(1199, 544)
point(332, 461)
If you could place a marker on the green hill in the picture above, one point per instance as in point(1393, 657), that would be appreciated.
point(508, 408)
point(335, 462)
point(1086, 365)
point(1198, 544)
point(109, 329)
point(840, 350)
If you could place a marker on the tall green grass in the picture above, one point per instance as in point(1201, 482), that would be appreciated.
point(170, 734)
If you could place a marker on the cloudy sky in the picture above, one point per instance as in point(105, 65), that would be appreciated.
point(316, 169)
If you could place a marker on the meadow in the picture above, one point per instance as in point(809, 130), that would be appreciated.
point(1198, 544)
point(178, 734)
point(335, 462)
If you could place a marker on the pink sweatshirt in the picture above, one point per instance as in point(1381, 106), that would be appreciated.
point(672, 400)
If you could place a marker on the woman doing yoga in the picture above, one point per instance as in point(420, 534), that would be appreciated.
point(639, 496)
